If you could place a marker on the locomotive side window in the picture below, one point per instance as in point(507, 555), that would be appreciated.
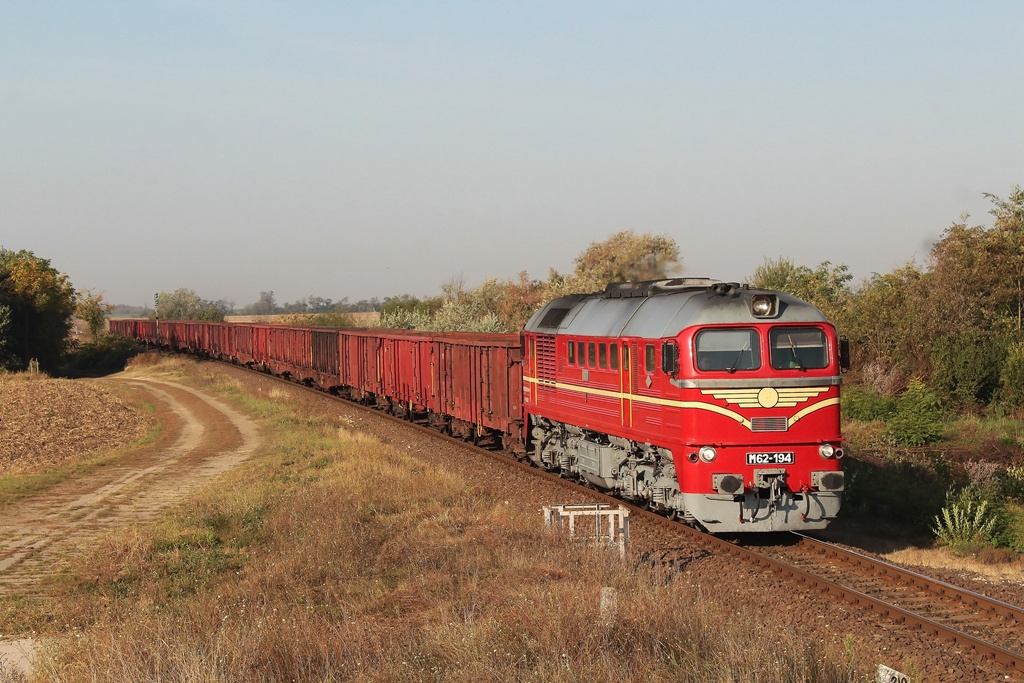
point(581, 355)
point(602, 355)
point(625, 358)
point(798, 348)
point(572, 353)
point(649, 357)
point(591, 355)
point(728, 349)
point(613, 356)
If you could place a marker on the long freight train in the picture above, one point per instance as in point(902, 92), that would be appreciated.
point(710, 402)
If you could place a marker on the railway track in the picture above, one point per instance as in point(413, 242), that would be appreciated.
point(991, 629)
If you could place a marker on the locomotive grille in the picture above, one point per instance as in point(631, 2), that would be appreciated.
point(545, 358)
point(769, 424)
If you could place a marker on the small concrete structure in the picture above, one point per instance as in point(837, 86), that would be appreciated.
point(19, 655)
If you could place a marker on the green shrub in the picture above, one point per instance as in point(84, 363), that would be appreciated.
point(917, 419)
point(965, 524)
point(967, 366)
point(860, 403)
point(105, 353)
point(1009, 531)
point(1013, 482)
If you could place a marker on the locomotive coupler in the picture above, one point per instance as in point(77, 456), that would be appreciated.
point(774, 494)
point(757, 506)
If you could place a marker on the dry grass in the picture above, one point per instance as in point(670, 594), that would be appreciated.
point(331, 556)
point(944, 559)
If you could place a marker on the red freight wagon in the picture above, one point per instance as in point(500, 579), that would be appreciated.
point(240, 347)
point(360, 371)
point(142, 330)
point(325, 356)
point(289, 351)
point(405, 368)
point(479, 379)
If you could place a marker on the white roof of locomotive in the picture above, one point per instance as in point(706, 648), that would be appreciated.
point(662, 308)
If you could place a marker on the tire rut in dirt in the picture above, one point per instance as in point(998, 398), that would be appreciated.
point(202, 438)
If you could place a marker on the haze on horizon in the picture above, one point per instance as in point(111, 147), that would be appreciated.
point(373, 149)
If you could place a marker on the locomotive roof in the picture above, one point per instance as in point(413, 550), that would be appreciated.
point(661, 308)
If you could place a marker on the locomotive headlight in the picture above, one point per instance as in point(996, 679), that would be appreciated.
point(826, 450)
point(708, 453)
point(763, 305)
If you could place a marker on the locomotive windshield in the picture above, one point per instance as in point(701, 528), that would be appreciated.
point(728, 349)
point(799, 348)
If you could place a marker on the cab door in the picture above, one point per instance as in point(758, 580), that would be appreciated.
point(625, 385)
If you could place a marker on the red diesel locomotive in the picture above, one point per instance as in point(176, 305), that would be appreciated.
point(710, 402)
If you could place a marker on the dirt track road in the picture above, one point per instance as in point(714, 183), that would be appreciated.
point(201, 438)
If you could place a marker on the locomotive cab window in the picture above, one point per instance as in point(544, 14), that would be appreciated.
point(728, 349)
point(580, 355)
point(613, 356)
point(572, 353)
point(798, 348)
point(649, 358)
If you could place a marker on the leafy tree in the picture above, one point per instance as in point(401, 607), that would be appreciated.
point(266, 305)
point(364, 306)
point(967, 366)
point(882, 318)
point(974, 306)
point(93, 310)
point(826, 287)
point(623, 257)
point(403, 302)
point(318, 304)
point(521, 299)
point(36, 304)
point(6, 357)
point(1012, 377)
point(185, 304)
point(1006, 247)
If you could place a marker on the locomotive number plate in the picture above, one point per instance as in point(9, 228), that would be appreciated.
point(771, 458)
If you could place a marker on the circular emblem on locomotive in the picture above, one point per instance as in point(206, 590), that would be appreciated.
point(768, 397)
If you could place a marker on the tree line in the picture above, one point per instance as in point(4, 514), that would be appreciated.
point(953, 325)
point(950, 329)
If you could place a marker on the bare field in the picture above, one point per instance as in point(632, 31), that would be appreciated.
point(45, 423)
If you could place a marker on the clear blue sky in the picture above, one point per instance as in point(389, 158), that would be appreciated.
point(370, 149)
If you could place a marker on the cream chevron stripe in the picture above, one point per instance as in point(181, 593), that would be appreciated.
point(693, 405)
point(812, 408)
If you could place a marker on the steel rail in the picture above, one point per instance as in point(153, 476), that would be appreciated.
point(984, 649)
point(947, 590)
